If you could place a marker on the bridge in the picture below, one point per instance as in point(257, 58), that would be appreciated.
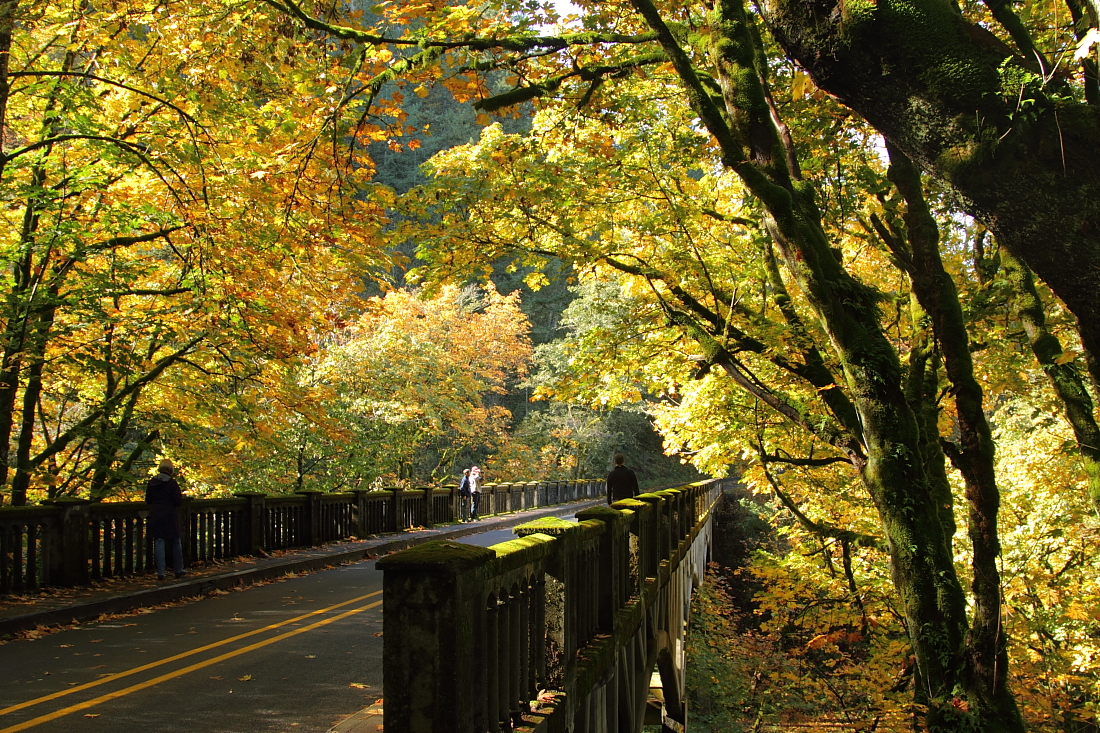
point(572, 616)
point(559, 629)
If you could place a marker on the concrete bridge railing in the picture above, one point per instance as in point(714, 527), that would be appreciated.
point(74, 541)
point(559, 629)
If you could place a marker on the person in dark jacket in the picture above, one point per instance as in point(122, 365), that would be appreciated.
point(163, 496)
point(464, 497)
point(621, 482)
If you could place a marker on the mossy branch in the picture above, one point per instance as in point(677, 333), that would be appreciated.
point(1059, 367)
point(592, 74)
point(856, 539)
point(507, 43)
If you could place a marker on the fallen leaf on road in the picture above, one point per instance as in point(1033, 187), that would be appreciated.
point(246, 678)
point(91, 715)
point(311, 656)
point(358, 685)
point(66, 646)
point(95, 641)
point(377, 633)
point(215, 678)
point(99, 666)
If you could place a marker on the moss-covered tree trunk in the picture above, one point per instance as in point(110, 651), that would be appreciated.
point(922, 386)
point(978, 115)
point(893, 471)
point(1064, 377)
point(974, 456)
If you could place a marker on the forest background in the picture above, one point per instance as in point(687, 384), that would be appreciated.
point(796, 238)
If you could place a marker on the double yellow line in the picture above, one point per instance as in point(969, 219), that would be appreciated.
point(185, 670)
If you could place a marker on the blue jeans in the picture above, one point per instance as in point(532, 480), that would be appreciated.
point(177, 555)
point(473, 504)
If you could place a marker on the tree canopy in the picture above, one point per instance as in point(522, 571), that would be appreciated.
point(806, 235)
point(806, 275)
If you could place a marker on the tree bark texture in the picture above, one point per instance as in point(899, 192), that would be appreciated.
point(969, 110)
point(1064, 376)
point(974, 457)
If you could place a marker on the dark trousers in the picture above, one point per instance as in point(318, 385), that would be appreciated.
point(473, 504)
point(177, 555)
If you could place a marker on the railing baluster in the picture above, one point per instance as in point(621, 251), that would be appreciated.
point(504, 659)
point(32, 556)
point(5, 564)
point(129, 529)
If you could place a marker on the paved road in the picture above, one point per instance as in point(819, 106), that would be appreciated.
point(298, 654)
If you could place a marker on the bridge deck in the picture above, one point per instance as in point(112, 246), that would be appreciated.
point(296, 654)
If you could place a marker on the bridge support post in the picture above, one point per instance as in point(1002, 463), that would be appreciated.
point(436, 594)
point(397, 510)
point(189, 530)
point(562, 639)
point(654, 548)
point(360, 528)
point(614, 558)
point(429, 505)
point(311, 522)
point(252, 537)
point(68, 555)
point(642, 527)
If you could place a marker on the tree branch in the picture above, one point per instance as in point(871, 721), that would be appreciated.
point(65, 438)
point(508, 43)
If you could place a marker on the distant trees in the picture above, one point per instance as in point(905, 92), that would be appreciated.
point(395, 396)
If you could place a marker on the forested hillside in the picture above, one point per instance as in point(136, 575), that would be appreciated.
point(851, 249)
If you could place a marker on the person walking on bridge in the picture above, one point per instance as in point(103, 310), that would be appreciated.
point(464, 496)
point(475, 491)
point(163, 496)
point(622, 483)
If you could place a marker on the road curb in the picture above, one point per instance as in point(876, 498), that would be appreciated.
point(201, 586)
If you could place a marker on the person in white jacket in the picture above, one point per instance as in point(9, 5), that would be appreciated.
point(475, 491)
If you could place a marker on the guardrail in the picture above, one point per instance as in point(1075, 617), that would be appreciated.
point(73, 541)
point(480, 632)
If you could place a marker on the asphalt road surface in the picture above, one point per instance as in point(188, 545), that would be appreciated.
point(298, 654)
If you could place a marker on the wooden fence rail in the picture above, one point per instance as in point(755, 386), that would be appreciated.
point(72, 541)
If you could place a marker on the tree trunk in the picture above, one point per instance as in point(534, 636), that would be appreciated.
point(954, 98)
point(974, 457)
point(922, 388)
point(1064, 377)
point(922, 563)
point(31, 392)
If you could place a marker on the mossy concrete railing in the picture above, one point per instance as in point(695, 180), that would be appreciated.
point(473, 635)
point(71, 541)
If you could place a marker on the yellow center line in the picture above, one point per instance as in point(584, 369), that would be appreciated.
point(183, 655)
point(180, 672)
